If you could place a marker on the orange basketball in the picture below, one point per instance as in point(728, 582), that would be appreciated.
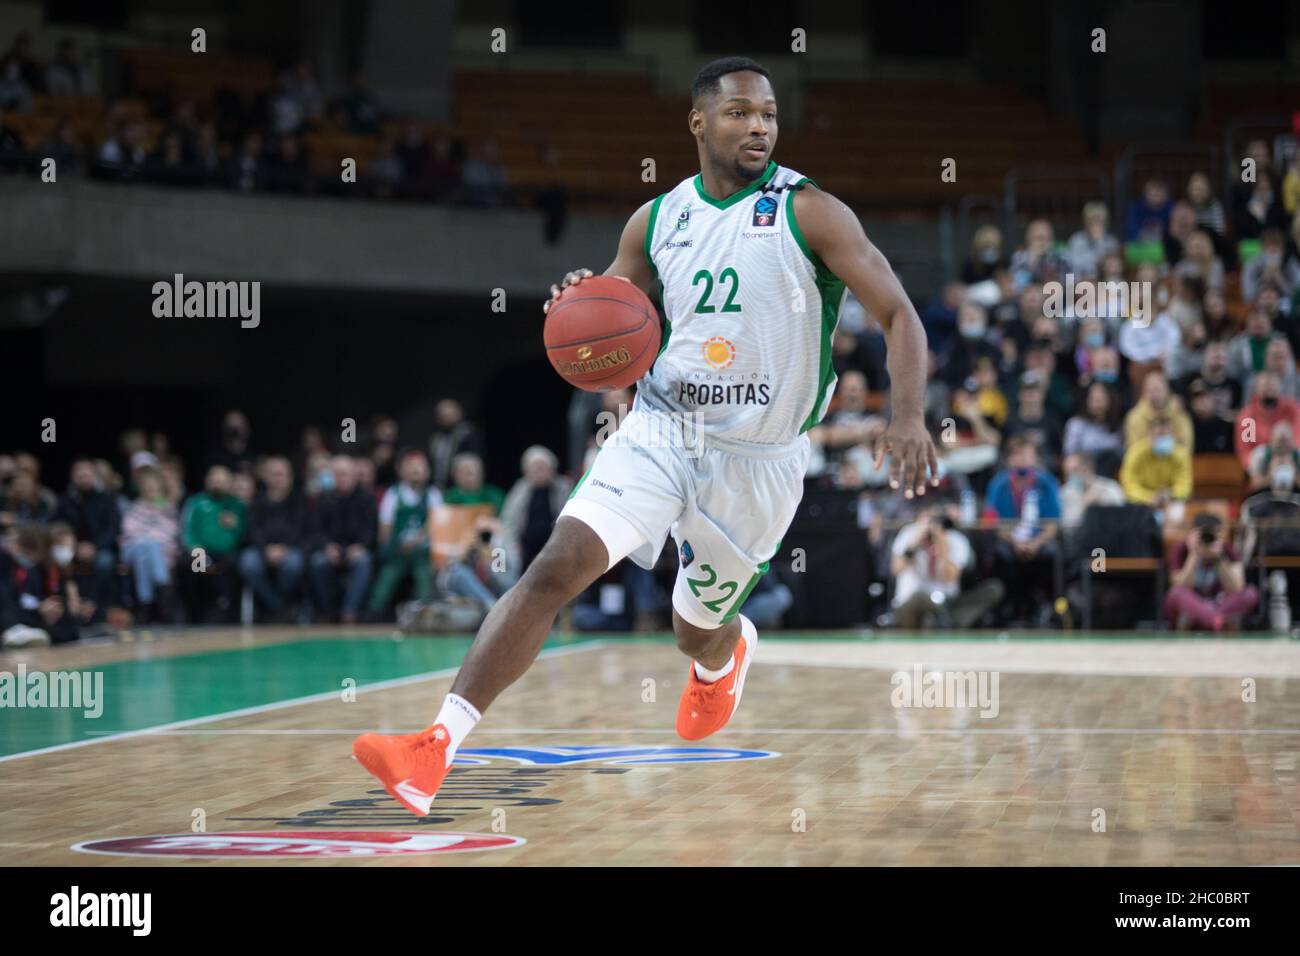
point(602, 334)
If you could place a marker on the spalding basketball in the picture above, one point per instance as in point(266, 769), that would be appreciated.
point(602, 334)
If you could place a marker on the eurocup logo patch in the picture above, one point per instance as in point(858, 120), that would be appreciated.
point(688, 554)
point(765, 211)
point(613, 756)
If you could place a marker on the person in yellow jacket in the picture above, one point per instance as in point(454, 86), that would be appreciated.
point(1157, 402)
point(1157, 469)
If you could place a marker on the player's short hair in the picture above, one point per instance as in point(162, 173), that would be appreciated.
point(708, 80)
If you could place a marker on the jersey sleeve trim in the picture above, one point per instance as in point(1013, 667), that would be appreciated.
point(650, 232)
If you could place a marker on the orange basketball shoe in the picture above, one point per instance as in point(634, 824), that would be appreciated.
point(706, 708)
point(410, 766)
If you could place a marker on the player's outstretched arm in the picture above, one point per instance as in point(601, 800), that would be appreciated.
point(630, 262)
point(833, 232)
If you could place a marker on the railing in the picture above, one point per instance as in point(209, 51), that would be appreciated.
point(1173, 162)
point(1055, 193)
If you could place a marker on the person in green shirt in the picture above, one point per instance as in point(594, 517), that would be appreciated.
point(467, 487)
point(213, 520)
point(404, 534)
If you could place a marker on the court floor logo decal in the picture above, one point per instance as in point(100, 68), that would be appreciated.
point(300, 844)
point(613, 756)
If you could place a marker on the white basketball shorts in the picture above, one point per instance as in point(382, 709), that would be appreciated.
point(727, 508)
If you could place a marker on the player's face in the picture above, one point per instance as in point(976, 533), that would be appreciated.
point(739, 124)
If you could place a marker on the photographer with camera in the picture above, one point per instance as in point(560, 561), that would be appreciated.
point(487, 566)
point(1208, 589)
point(928, 558)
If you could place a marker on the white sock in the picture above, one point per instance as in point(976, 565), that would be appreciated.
point(708, 677)
point(459, 717)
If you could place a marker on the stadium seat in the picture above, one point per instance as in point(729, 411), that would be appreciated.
point(1217, 476)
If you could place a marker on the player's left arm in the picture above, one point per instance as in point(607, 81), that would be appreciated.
point(833, 232)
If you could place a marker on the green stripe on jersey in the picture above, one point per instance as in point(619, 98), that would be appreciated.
point(831, 290)
point(650, 233)
point(734, 198)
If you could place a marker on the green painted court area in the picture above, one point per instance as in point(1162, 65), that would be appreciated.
point(138, 695)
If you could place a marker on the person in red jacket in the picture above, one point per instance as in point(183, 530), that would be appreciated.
point(1256, 420)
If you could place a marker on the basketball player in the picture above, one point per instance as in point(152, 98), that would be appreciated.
point(754, 260)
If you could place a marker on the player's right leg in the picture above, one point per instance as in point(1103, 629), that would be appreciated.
point(413, 766)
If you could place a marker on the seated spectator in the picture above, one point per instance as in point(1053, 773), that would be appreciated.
point(93, 514)
point(1025, 551)
point(273, 563)
point(1199, 260)
point(362, 109)
point(442, 172)
point(467, 487)
point(1278, 361)
point(1208, 590)
point(1259, 207)
point(483, 178)
point(1091, 335)
point(986, 255)
point(63, 146)
point(1043, 358)
point(247, 170)
point(404, 534)
point(1187, 357)
point(1148, 218)
point(24, 504)
point(15, 92)
point(452, 435)
point(1157, 469)
point(624, 598)
point(970, 445)
point(927, 559)
point(534, 502)
point(992, 403)
point(1211, 432)
point(849, 425)
point(1038, 261)
point(1084, 488)
point(1092, 243)
point(1278, 454)
point(1148, 341)
point(76, 578)
point(1271, 265)
point(940, 316)
point(1096, 428)
point(36, 601)
point(385, 171)
point(63, 75)
point(212, 524)
point(150, 534)
point(123, 155)
point(1157, 402)
point(485, 567)
point(1209, 211)
point(1104, 363)
point(957, 362)
point(1219, 325)
point(341, 533)
point(1248, 350)
point(1258, 417)
point(767, 602)
point(1034, 421)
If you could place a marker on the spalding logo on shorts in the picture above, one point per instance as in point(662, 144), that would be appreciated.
point(299, 844)
point(566, 756)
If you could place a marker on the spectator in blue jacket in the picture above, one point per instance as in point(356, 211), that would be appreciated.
point(1026, 501)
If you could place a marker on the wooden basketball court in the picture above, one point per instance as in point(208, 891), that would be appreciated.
point(1093, 752)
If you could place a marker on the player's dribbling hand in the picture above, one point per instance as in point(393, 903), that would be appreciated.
point(911, 454)
point(571, 278)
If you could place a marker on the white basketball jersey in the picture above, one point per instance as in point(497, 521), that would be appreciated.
point(750, 309)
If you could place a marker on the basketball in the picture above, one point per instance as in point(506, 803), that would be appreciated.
point(602, 334)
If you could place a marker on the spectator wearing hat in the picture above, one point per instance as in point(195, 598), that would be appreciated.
point(1208, 589)
point(1034, 422)
point(1211, 433)
point(1157, 469)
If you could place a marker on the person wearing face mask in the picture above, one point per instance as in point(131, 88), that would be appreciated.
point(1264, 412)
point(986, 256)
point(957, 362)
point(1208, 589)
point(1278, 455)
point(34, 596)
point(1157, 469)
point(1157, 402)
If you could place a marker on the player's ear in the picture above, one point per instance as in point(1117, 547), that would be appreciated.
point(695, 122)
